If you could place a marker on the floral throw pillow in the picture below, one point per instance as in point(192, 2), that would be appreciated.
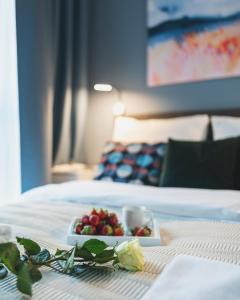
point(137, 163)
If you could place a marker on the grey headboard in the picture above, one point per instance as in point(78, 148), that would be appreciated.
point(234, 112)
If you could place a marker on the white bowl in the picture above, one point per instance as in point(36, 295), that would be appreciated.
point(153, 240)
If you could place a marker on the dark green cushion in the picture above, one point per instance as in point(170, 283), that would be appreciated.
point(210, 164)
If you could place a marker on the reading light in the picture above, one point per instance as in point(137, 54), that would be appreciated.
point(118, 108)
point(103, 87)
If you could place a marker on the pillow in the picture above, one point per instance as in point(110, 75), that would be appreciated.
point(210, 165)
point(131, 163)
point(225, 127)
point(130, 130)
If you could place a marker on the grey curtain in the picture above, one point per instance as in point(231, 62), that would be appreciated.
point(70, 48)
point(35, 81)
point(52, 42)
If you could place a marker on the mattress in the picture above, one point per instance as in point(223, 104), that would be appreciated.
point(43, 214)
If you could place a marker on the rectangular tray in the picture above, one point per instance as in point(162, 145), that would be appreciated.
point(73, 238)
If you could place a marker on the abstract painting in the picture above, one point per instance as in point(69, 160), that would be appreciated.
point(190, 40)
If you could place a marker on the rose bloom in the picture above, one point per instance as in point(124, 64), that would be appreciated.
point(130, 256)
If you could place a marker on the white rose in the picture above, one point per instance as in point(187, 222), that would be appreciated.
point(130, 256)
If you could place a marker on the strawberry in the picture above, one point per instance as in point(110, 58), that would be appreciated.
point(88, 230)
point(85, 219)
point(118, 231)
point(100, 226)
point(140, 232)
point(147, 231)
point(78, 228)
point(102, 214)
point(94, 212)
point(106, 230)
point(112, 219)
point(94, 220)
point(134, 230)
point(143, 231)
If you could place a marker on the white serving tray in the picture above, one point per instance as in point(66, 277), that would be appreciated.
point(73, 238)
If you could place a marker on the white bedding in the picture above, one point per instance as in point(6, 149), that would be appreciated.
point(215, 280)
point(165, 202)
point(44, 215)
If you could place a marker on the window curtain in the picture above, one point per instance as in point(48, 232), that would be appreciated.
point(52, 73)
point(70, 43)
point(10, 183)
point(35, 84)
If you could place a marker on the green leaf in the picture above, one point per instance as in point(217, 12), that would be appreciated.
point(106, 253)
point(10, 256)
point(3, 271)
point(83, 253)
point(105, 256)
point(95, 246)
point(41, 257)
point(24, 281)
point(60, 252)
point(35, 274)
point(69, 264)
point(31, 247)
point(116, 261)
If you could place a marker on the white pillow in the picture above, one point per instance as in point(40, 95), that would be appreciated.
point(225, 127)
point(129, 130)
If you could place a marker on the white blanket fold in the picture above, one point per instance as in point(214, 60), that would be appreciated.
point(193, 278)
point(176, 202)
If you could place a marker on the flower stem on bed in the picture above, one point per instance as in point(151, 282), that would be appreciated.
point(93, 254)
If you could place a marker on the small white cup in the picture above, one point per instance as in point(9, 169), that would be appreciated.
point(136, 216)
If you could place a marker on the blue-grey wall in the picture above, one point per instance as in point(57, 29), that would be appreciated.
point(35, 83)
point(118, 56)
point(117, 44)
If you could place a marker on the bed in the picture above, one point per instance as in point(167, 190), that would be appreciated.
point(44, 215)
point(197, 222)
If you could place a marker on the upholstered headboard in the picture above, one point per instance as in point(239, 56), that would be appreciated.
point(234, 112)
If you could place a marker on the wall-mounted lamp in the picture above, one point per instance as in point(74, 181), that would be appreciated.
point(118, 107)
point(103, 87)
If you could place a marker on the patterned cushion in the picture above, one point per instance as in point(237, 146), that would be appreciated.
point(132, 163)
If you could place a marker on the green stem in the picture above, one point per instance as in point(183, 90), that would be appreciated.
point(48, 262)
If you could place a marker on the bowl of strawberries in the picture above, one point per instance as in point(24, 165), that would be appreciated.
point(106, 226)
point(99, 222)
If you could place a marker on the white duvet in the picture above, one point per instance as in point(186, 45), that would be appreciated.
point(165, 202)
